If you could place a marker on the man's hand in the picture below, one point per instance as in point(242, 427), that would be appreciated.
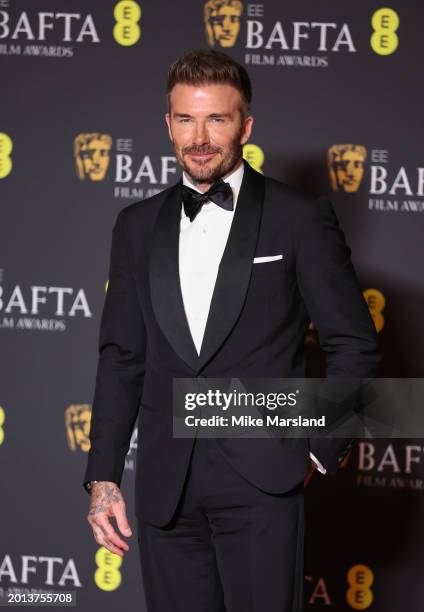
point(312, 468)
point(107, 501)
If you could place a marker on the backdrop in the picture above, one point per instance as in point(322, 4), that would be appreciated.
point(338, 110)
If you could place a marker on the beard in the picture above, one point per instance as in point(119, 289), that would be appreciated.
point(208, 173)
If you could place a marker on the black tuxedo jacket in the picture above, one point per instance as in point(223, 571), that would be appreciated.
point(256, 328)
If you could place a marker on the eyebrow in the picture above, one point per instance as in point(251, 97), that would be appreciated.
point(211, 115)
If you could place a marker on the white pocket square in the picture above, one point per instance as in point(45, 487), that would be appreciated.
point(266, 258)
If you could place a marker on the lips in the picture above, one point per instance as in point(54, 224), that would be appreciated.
point(202, 155)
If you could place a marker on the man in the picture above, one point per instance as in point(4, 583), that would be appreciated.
point(210, 286)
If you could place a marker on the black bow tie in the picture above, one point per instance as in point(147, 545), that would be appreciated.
point(220, 193)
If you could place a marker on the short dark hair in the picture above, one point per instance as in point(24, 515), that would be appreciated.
point(205, 66)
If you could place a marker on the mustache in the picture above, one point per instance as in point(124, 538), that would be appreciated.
point(200, 150)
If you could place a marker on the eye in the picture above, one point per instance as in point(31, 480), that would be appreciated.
point(218, 119)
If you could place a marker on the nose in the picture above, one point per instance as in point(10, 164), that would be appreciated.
point(201, 135)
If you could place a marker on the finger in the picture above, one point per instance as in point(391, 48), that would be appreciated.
point(122, 521)
point(109, 533)
point(98, 535)
point(110, 546)
point(103, 530)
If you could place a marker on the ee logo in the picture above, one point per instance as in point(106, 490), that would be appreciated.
point(107, 575)
point(254, 156)
point(6, 146)
point(384, 39)
point(2, 419)
point(127, 31)
point(359, 595)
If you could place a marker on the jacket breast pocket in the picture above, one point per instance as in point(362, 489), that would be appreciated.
point(268, 279)
point(266, 268)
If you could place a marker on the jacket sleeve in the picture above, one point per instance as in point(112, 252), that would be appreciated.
point(335, 303)
point(120, 368)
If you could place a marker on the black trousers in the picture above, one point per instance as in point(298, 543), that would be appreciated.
point(230, 547)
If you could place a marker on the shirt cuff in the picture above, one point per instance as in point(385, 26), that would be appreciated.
point(319, 467)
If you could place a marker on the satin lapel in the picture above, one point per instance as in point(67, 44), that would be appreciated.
point(236, 265)
point(165, 288)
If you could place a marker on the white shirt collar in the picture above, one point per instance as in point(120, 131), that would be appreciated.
point(234, 179)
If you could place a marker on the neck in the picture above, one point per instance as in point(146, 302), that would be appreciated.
point(205, 186)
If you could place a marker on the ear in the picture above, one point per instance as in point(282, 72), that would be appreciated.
point(168, 123)
point(247, 130)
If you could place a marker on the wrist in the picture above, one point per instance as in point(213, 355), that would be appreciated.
point(89, 485)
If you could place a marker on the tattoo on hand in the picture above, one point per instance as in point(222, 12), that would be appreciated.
point(104, 494)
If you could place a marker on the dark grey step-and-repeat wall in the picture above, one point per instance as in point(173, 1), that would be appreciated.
point(337, 103)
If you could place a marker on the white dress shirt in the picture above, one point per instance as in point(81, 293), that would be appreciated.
point(201, 246)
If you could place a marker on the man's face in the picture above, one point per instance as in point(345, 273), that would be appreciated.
point(207, 130)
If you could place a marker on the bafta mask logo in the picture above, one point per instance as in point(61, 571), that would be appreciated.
point(92, 155)
point(376, 304)
point(346, 166)
point(222, 21)
point(77, 422)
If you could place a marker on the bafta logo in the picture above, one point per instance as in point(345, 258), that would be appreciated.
point(346, 166)
point(222, 21)
point(92, 155)
point(77, 423)
point(376, 304)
